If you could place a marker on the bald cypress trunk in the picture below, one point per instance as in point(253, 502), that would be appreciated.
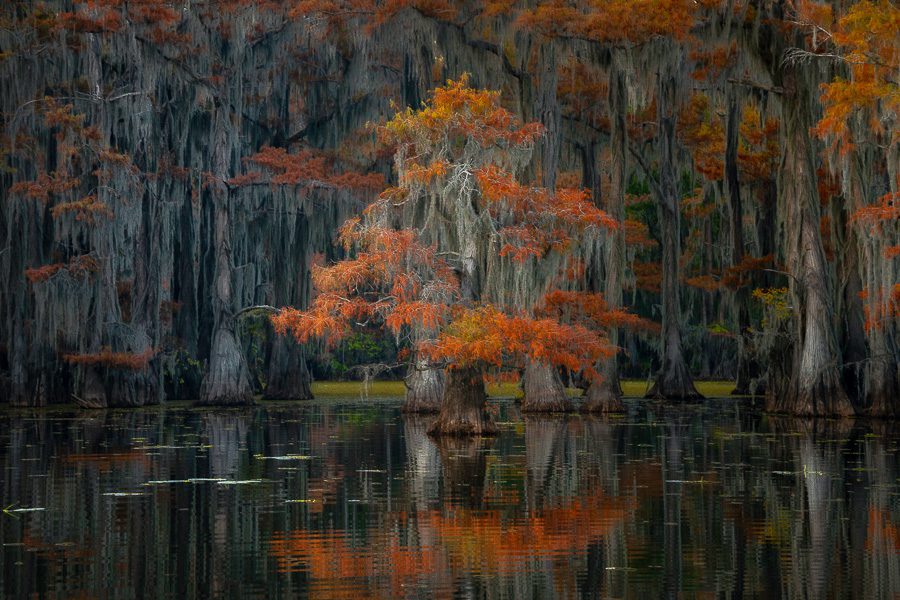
point(544, 390)
point(814, 388)
point(742, 298)
point(673, 381)
point(288, 376)
point(463, 405)
point(604, 395)
point(424, 388)
point(226, 382)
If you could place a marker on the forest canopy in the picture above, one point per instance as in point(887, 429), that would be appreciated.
point(207, 200)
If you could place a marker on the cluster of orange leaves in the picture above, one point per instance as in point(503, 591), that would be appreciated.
point(306, 167)
point(86, 210)
point(612, 21)
point(394, 279)
point(543, 220)
point(79, 266)
point(733, 277)
point(486, 335)
point(114, 360)
point(590, 310)
point(866, 37)
point(881, 307)
point(703, 133)
point(458, 112)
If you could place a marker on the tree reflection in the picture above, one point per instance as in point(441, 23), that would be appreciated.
point(664, 502)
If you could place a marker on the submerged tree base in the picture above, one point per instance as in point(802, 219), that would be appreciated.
point(463, 406)
point(544, 390)
point(424, 388)
point(824, 398)
point(674, 384)
point(226, 383)
point(603, 397)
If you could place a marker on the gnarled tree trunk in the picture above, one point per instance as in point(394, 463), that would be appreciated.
point(815, 386)
point(544, 389)
point(463, 405)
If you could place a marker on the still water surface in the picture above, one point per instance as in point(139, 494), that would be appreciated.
point(351, 499)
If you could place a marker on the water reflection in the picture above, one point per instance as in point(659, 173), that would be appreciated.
point(355, 500)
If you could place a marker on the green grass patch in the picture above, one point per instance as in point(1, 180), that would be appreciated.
point(390, 389)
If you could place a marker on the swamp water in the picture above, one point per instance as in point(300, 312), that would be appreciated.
point(350, 499)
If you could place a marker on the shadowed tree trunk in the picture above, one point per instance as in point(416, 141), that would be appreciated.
point(463, 405)
point(424, 387)
point(604, 395)
point(815, 385)
point(745, 358)
point(289, 378)
point(673, 382)
point(226, 382)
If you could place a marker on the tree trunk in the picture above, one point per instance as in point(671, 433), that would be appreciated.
point(815, 386)
point(463, 405)
point(424, 387)
point(741, 299)
point(549, 114)
point(604, 395)
point(288, 378)
point(673, 382)
point(226, 382)
point(544, 390)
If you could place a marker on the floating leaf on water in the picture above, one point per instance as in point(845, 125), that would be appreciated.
point(24, 510)
point(166, 481)
point(285, 457)
point(238, 481)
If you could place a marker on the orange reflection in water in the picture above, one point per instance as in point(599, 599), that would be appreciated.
point(446, 544)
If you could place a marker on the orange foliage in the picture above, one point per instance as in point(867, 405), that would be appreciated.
point(115, 360)
point(590, 310)
point(485, 335)
point(887, 209)
point(86, 210)
point(704, 135)
point(738, 275)
point(637, 234)
point(44, 185)
point(307, 167)
point(759, 147)
point(79, 266)
point(712, 62)
point(648, 276)
point(544, 220)
point(612, 21)
point(866, 37)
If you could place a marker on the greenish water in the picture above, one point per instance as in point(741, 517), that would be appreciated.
point(350, 499)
